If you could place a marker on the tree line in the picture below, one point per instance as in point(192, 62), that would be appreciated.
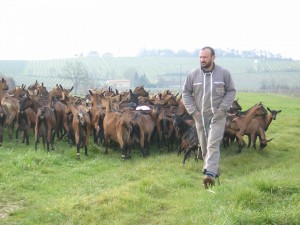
point(232, 53)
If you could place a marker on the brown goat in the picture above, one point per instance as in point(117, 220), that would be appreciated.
point(241, 122)
point(2, 120)
point(117, 128)
point(11, 106)
point(44, 126)
point(97, 117)
point(260, 126)
point(81, 125)
point(229, 134)
point(253, 130)
point(137, 135)
point(26, 120)
point(46, 121)
point(266, 120)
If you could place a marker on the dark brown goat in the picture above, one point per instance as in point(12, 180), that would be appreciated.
point(129, 100)
point(137, 132)
point(140, 91)
point(164, 126)
point(189, 138)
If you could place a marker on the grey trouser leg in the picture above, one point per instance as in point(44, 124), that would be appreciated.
point(210, 141)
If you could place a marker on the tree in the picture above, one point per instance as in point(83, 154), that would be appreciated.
point(77, 73)
point(136, 79)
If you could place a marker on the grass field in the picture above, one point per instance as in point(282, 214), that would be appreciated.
point(256, 187)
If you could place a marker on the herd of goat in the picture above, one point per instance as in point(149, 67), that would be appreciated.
point(128, 119)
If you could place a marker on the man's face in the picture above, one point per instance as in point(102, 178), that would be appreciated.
point(206, 60)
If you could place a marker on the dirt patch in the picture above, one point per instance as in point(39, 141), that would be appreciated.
point(8, 208)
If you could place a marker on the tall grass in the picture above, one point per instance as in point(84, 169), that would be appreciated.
point(256, 187)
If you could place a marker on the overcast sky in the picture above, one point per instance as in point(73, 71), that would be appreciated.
point(50, 29)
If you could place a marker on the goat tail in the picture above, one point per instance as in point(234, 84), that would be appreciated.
point(135, 131)
point(125, 130)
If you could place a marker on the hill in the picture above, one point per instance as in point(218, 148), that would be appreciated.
point(166, 72)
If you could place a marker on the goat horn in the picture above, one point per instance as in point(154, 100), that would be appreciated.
point(269, 140)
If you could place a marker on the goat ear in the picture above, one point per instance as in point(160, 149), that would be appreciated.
point(91, 93)
point(279, 111)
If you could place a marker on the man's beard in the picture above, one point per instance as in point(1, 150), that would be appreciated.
point(206, 66)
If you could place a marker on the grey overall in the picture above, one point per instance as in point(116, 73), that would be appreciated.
point(207, 97)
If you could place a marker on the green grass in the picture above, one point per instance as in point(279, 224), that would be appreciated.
point(256, 187)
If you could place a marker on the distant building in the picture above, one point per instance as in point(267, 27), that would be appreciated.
point(93, 54)
point(119, 84)
point(107, 55)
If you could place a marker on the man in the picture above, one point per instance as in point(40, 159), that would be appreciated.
point(207, 94)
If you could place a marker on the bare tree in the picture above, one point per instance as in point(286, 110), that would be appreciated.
point(77, 73)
